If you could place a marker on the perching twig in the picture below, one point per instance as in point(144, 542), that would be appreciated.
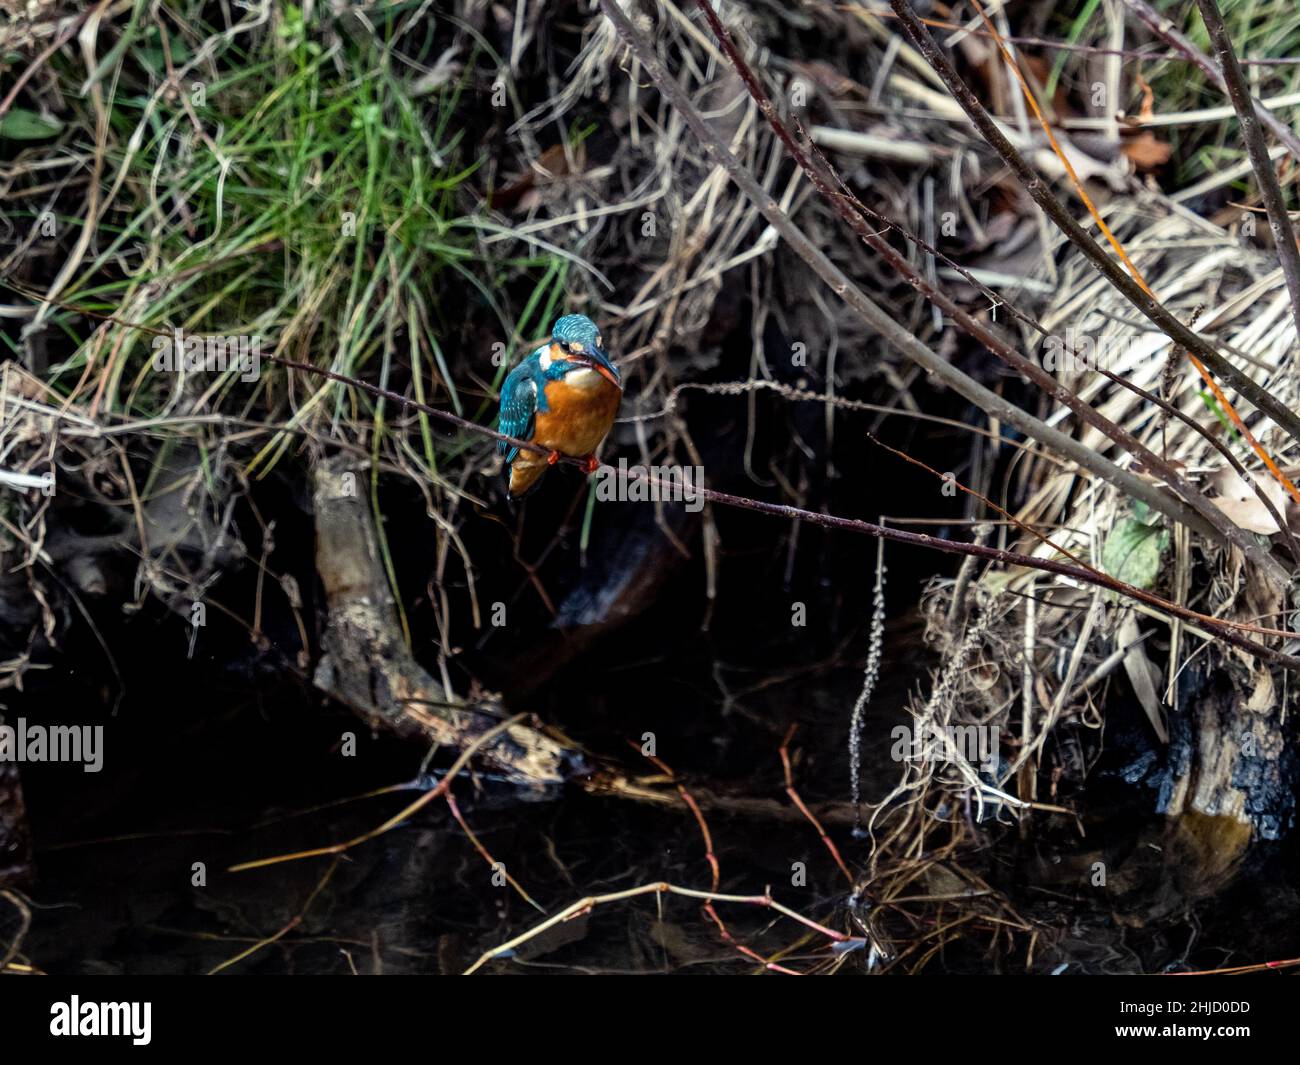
point(1224, 628)
point(995, 554)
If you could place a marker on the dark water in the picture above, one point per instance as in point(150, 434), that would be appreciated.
point(202, 768)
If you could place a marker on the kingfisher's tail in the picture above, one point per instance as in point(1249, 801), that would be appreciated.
point(524, 474)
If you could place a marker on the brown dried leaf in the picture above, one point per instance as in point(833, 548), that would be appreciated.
point(1145, 151)
point(1242, 505)
point(551, 164)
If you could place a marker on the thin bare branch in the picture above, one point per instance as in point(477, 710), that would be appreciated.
point(1228, 630)
point(1269, 189)
point(1037, 188)
point(880, 320)
point(1168, 32)
point(1225, 529)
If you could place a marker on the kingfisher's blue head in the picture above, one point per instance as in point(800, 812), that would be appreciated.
point(578, 340)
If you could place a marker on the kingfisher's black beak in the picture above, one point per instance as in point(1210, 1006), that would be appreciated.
point(600, 362)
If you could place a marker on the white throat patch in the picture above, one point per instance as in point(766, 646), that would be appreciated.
point(583, 378)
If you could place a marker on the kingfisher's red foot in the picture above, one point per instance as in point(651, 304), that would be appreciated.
point(552, 458)
point(591, 464)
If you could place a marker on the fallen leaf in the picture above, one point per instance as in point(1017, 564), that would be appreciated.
point(1238, 500)
point(1146, 109)
point(1142, 673)
point(1133, 551)
point(1145, 151)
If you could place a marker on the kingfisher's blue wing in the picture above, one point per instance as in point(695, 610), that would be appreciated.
point(518, 409)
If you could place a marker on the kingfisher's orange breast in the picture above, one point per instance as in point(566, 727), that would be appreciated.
point(579, 415)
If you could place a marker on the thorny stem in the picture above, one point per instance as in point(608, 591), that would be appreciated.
point(1065, 221)
point(1170, 410)
point(882, 322)
point(1168, 32)
point(1224, 403)
point(1269, 189)
point(1045, 381)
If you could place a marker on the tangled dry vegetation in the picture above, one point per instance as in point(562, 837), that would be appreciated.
point(184, 169)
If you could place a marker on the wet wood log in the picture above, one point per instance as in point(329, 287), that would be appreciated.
point(1231, 779)
point(366, 664)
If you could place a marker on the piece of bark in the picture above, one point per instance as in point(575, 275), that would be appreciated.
point(1232, 779)
point(366, 664)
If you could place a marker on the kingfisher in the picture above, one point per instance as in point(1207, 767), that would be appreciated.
point(562, 397)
